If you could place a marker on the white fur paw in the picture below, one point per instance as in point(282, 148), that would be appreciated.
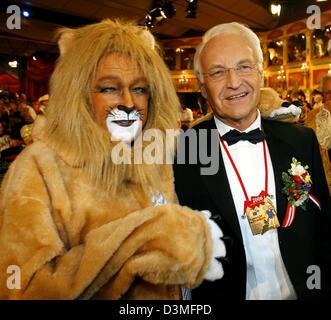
point(215, 270)
point(291, 109)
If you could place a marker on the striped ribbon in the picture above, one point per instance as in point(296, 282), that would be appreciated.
point(312, 198)
point(290, 214)
point(290, 211)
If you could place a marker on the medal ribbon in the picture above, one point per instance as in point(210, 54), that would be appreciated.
point(290, 211)
point(237, 172)
point(312, 198)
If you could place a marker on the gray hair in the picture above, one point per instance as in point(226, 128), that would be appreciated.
point(325, 78)
point(228, 28)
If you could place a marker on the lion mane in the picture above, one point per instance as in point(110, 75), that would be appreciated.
point(69, 124)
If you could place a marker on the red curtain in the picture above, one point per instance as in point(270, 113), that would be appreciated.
point(36, 77)
point(9, 82)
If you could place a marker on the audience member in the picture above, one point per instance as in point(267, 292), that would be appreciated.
point(319, 119)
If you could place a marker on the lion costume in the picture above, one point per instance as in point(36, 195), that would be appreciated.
point(75, 224)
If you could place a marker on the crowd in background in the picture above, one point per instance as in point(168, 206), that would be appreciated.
point(306, 106)
point(190, 113)
point(17, 115)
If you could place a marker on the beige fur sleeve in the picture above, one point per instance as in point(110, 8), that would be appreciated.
point(167, 245)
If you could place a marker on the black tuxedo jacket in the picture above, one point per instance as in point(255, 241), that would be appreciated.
point(305, 243)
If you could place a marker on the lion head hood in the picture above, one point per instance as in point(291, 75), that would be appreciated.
point(69, 126)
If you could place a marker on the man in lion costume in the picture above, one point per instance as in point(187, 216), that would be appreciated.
point(75, 220)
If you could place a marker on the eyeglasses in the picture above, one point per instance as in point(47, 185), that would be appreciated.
point(241, 70)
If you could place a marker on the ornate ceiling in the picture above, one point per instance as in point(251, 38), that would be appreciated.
point(37, 32)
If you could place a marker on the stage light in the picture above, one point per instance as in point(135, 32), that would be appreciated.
point(13, 64)
point(168, 9)
point(275, 9)
point(156, 15)
point(161, 10)
point(191, 8)
point(149, 23)
point(26, 13)
point(159, 14)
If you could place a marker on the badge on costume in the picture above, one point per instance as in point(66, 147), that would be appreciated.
point(261, 214)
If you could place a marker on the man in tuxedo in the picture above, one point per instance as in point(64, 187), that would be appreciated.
point(288, 262)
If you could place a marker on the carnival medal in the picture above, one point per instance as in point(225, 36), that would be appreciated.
point(261, 214)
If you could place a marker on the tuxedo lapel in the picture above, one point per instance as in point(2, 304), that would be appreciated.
point(281, 156)
point(218, 185)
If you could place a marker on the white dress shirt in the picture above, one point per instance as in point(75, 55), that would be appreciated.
point(267, 277)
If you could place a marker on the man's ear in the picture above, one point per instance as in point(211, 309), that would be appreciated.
point(203, 89)
point(261, 79)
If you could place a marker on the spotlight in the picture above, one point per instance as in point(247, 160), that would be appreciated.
point(191, 8)
point(13, 64)
point(168, 9)
point(157, 14)
point(149, 23)
point(275, 9)
point(26, 13)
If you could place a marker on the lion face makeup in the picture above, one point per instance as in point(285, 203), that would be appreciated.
point(120, 95)
point(124, 124)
